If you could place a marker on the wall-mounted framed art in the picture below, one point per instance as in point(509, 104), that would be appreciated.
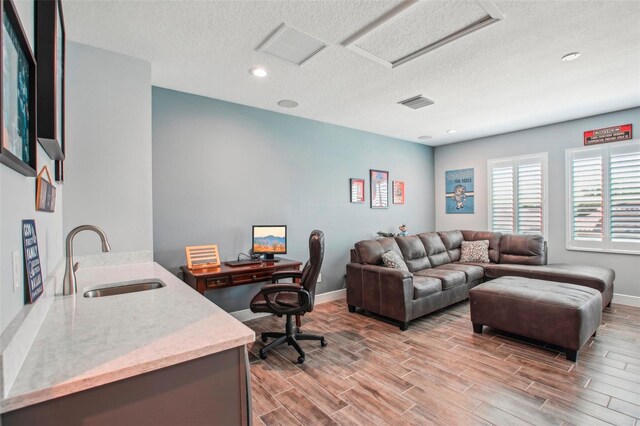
point(45, 192)
point(459, 191)
point(356, 190)
point(18, 97)
point(50, 54)
point(379, 189)
point(398, 192)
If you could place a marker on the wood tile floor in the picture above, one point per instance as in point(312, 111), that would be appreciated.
point(440, 372)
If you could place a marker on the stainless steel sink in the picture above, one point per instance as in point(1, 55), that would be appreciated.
point(123, 289)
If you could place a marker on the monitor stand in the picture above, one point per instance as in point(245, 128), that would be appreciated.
point(269, 257)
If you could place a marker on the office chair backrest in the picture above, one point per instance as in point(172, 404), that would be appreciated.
point(312, 267)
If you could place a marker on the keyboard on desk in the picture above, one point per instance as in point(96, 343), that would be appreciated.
point(244, 262)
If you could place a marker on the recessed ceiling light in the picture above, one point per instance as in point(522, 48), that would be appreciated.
point(570, 56)
point(258, 72)
point(287, 103)
point(451, 131)
point(424, 137)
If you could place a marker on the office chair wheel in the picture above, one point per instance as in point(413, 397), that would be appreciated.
point(300, 359)
point(263, 355)
point(323, 342)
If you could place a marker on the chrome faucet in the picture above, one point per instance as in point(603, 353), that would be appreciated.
point(69, 283)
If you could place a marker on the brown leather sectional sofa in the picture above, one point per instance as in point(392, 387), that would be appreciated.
point(437, 279)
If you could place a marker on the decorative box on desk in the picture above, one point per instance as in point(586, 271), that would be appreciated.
point(223, 276)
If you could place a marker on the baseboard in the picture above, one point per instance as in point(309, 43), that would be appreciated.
point(624, 299)
point(246, 314)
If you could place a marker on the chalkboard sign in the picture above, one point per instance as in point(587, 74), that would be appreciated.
point(33, 269)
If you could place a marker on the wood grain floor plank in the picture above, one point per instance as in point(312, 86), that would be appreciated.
point(305, 411)
point(321, 396)
point(279, 417)
point(625, 407)
point(496, 416)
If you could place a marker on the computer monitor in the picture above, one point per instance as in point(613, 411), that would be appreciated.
point(269, 240)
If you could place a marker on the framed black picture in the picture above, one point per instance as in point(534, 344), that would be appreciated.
point(50, 55)
point(379, 189)
point(18, 97)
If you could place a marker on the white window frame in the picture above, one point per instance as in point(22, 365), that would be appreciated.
point(544, 160)
point(606, 245)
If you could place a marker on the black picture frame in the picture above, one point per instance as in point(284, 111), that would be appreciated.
point(51, 57)
point(379, 189)
point(11, 21)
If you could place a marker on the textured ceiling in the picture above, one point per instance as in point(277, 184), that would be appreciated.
point(502, 78)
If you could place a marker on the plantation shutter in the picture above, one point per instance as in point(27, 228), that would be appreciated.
point(517, 194)
point(587, 206)
point(530, 197)
point(624, 199)
point(502, 199)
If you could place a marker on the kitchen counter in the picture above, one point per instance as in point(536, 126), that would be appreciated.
point(88, 342)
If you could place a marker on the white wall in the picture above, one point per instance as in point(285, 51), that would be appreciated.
point(554, 139)
point(108, 165)
point(17, 202)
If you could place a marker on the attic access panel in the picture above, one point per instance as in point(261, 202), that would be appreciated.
point(416, 27)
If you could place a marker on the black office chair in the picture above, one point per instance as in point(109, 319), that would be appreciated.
point(292, 299)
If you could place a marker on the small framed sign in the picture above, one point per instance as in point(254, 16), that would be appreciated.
point(33, 268)
point(379, 189)
point(608, 134)
point(357, 190)
point(398, 192)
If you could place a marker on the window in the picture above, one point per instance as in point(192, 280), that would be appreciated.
point(517, 194)
point(603, 187)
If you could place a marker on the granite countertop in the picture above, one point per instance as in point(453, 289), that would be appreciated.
point(88, 342)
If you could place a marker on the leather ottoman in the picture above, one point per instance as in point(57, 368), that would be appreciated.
point(565, 315)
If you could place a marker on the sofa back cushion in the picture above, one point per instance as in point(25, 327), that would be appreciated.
point(522, 249)
point(370, 251)
point(452, 241)
point(494, 242)
point(436, 251)
point(413, 252)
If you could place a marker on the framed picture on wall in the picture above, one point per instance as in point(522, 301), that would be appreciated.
point(18, 97)
point(50, 55)
point(379, 189)
point(459, 191)
point(398, 192)
point(356, 190)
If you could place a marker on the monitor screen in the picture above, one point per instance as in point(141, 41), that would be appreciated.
point(269, 239)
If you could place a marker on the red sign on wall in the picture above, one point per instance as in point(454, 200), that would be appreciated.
point(608, 134)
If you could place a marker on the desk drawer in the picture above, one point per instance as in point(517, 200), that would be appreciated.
point(218, 282)
point(252, 277)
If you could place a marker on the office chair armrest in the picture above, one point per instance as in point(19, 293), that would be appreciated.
point(303, 296)
point(279, 275)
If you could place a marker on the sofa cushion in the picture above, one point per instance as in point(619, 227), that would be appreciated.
point(450, 279)
point(370, 251)
point(472, 272)
point(522, 249)
point(494, 242)
point(475, 251)
point(425, 286)
point(452, 241)
point(413, 252)
point(436, 252)
point(392, 259)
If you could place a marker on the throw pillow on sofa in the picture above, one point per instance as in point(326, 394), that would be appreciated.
point(392, 259)
point(475, 251)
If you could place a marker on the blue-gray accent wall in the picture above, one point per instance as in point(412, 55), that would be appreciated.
point(219, 168)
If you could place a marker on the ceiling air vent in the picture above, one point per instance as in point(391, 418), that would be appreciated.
point(291, 45)
point(416, 102)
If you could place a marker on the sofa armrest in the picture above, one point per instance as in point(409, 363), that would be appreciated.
point(381, 290)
